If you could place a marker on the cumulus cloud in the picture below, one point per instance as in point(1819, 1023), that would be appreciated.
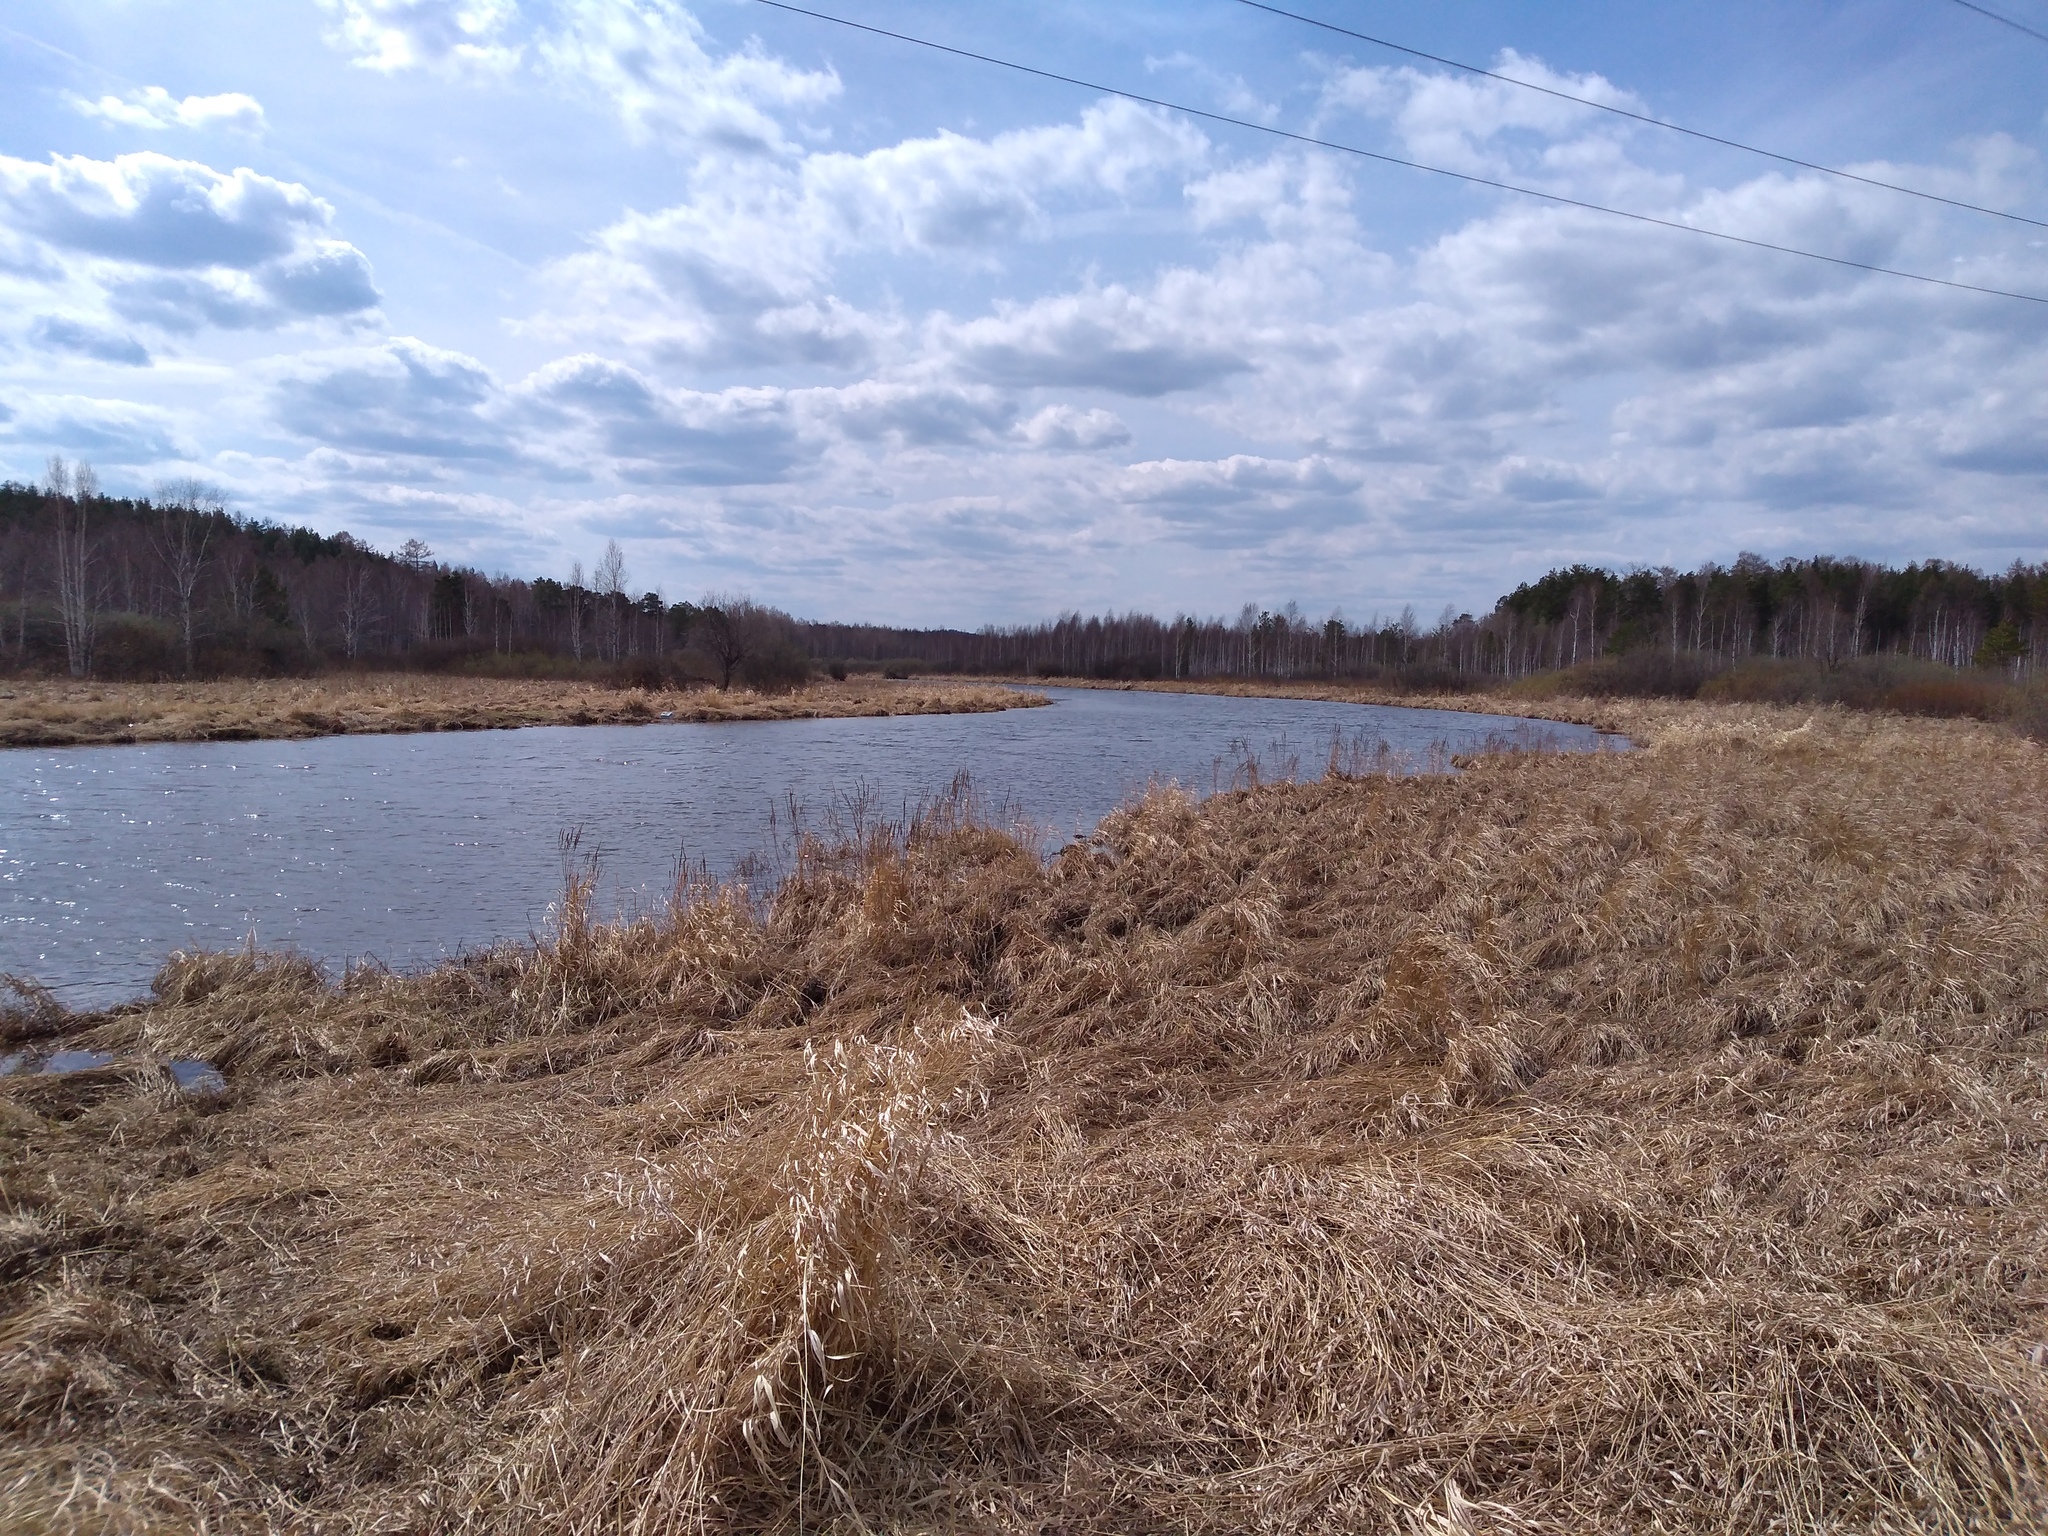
point(596, 419)
point(391, 35)
point(741, 271)
point(63, 333)
point(156, 211)
point(153, 107)
point(110, 432)
point(912, 415)
point(404, 398)
point(582, 418)
point(1475, 124)
point(611, 418)
point(1239, 478)
point(1244, 502)
point(953, 191)
point(648, 59)
point(1064, 427)
point(1108, 338)
point(178, 244)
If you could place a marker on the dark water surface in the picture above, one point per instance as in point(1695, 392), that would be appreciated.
point(406, 848)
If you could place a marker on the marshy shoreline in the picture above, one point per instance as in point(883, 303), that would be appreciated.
point(64, 712)
point(1650, 1140)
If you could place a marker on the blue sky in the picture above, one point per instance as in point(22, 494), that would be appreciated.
point(872, 332)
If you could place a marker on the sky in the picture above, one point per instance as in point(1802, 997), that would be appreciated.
point(869, 331)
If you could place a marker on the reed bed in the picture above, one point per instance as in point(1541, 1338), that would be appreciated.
point(1633, 1142)
point(52, 712)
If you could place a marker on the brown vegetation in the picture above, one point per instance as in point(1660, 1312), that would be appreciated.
point(37, 712)
point(1635, 1142)
point(1586, 694)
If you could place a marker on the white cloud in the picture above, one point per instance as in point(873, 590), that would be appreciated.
point(157, 211)
point(391, 35)
point(1240, 477)
point(950, 191)
point(1101, 338)
point(592, 418)
point(912, 415)
point(648, 59)
point(86, 338)
point(608, 418)
point(581, 418)
point(178, 244)
point(1064, 427)
point(740, 272)
point(109, 432)
point(1471, 123)
point(156, 108)
point(402, 399)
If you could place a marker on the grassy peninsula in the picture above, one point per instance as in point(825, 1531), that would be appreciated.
point(1638, 1142)
point(65, 712)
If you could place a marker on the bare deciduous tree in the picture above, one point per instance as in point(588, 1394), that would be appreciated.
point(576, 596)
point(610, 581)
point(74, 492)
point(730, 630)
point(356, 611)
point(185, 513)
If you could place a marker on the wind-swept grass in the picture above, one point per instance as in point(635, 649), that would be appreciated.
point(1647, 1141)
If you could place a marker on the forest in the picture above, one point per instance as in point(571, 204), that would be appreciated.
point(177, 584)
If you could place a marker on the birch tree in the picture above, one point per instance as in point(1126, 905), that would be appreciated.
point(73, 493)
point(610, 580)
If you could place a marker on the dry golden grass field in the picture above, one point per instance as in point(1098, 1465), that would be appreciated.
point(1648, 1142)
point(49, 712)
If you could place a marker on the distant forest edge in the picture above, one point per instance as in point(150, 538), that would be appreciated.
point(178, 585)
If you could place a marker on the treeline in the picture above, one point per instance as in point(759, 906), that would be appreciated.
point(1823, 610)
point(178, 585)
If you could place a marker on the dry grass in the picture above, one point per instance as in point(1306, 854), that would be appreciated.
point(38, 712)
point(1603, 713)
point(1651, 1142)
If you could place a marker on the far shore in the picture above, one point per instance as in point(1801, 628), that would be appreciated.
point(1567, 709)
point(42, 712)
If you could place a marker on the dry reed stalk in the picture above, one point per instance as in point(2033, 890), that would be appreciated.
point(1642, 1142)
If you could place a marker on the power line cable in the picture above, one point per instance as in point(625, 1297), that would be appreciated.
point(2007, 20)
point(1413, 165)
point(1654, 122)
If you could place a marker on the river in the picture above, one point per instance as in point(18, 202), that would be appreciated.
point(408, 848)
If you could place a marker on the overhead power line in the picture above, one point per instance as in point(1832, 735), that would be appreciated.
point(2007, 20)
point(1654, 122)
point(1413, 165)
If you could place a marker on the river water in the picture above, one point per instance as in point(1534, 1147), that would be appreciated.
point(408, 848)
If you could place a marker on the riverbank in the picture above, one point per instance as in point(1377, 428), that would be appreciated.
point(1554, 696)
point(1654, 1140)
point(1601, 714)
point(38, 712)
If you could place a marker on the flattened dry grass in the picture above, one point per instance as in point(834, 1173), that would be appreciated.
point(1647, 1142)
point(49, 712)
